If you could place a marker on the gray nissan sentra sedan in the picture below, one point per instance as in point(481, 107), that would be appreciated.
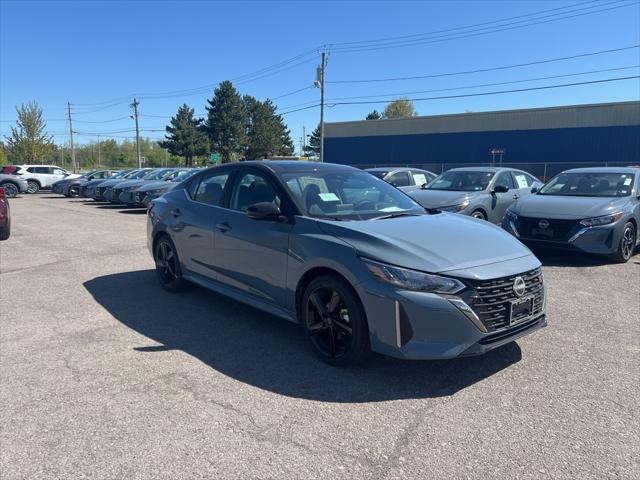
point(481, 192)
point(357, 262)
point(595, 210)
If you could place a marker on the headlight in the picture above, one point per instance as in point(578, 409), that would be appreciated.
point(412, 279)
point(603, 220)
point(455, 208)
point(157, 191)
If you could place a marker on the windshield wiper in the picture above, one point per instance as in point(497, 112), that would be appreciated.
point(396, 215)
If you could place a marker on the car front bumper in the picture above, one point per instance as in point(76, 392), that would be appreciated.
point(127, 197)
point(601, 240)
point(421, 326)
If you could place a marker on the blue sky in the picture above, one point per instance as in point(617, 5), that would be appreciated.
point(93, 52)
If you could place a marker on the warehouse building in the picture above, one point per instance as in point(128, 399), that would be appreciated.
point(540, 140)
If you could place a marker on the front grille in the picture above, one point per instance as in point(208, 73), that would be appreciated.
point(557, 231)
point(116, 193)
point(492, 301)
point(139, 197)
point(100, 191)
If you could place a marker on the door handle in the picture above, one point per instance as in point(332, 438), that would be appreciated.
point(223, 227)
point(176, 212)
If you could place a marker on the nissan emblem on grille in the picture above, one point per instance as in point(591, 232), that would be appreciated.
point(519, 287)
point(543, 224)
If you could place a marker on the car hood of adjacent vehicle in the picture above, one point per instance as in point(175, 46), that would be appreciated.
point(567, 207)
point(97, 181)
point(154, 185)
point(129, 183)
point(430, 243)
point(441, 198)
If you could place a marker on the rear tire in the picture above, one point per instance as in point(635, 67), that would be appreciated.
point(11, 190)
point(627, 243)
point(168, 265)
point(33, 186)
point(479, 214)
point(335, 321)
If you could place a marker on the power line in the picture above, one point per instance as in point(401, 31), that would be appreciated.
point(480, 94)
point(292, 93)
point(474, 33)
point(490, 69)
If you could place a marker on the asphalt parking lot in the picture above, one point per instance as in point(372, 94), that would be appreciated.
point(104, 375)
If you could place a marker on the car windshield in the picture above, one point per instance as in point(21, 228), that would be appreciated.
point(378, 173)
point(121, 174)
point(156, 174)
point(183, 175)
point(589, 184)
point(461, 181)
point(348, 195)
point(136, 174)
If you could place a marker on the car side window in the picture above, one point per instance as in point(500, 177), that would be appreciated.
point(522, 180)
point(400, 179)
point(209, 188)
point(32, 170)
point(59, 171)
point(252, 188)
point(505, 180)
point(419, 178)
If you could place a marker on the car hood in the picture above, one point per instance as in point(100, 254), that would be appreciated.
point(566, 207)
point(430, 243)
point(128, 183)
point(97, 181)
point(154, 185)
point(71, 176)
point(111, 182)
point(441, 198)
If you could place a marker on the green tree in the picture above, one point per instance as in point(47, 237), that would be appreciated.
point(3, 154)
point(312, 149)
point(401, 108)
point(185, 136)
point(267, 135)
point(226, 121)
point(374, 115)
point(28, 142)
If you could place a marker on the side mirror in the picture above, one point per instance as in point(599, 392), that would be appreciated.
point(265, 211)
point(534, 189)
point(423, 186)
point(500, 189)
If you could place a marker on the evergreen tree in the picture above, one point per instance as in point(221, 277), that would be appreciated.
point(374, 115)
point(226, 121)
point(28, 142)
point(267, 135)
point(185, 136)
point(312, 149)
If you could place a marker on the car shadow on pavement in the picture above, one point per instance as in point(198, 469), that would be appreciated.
point(134, 211)
point(273, 354)
point(569, 258)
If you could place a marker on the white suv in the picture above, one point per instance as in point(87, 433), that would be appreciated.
point(41, 176)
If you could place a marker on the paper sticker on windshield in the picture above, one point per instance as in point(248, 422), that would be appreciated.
point(419, 178)
point(522, 181)
point(328, 197)
point(391, 209)
point(627, 182)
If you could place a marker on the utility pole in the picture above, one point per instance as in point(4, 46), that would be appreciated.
point(304, 140)
point(135, 117)
point(99, 163)
point(73, 150)
point(320, 84)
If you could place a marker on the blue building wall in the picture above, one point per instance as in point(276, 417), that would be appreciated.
point(581, 144)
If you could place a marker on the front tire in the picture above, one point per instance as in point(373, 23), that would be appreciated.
point(479, 214)
point(33, 186)
point(74, 191)
point(10, 189)
point(168, 265)
point(627, 243)
point(335, 321)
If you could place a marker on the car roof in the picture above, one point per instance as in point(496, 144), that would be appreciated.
point(604, 170)
point(283, 166)
point(485, 169)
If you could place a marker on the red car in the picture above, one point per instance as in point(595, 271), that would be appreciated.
point(5, 216)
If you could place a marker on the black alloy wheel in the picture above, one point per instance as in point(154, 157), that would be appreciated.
point(335, 321)
point(33, 186)
point(168, 265)
point(10, 189)
point(74, 191)
point(627, 243)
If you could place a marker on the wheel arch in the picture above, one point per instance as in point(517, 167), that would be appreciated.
point(479, 208)
point(34, 180)
point(311, 275)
